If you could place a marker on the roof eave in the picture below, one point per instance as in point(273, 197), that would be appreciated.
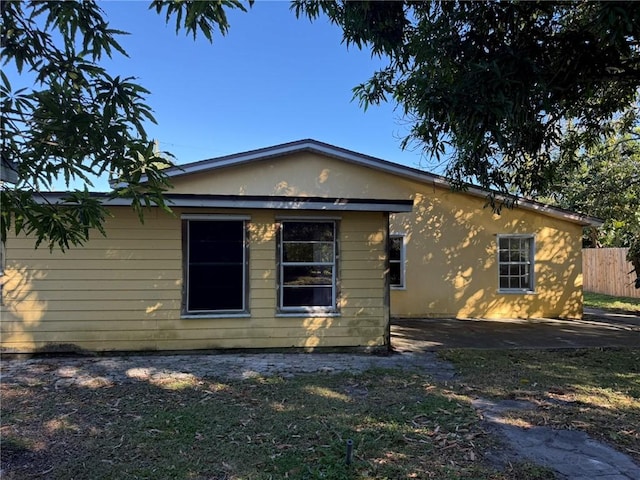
point(410, 173)
point(254, 202)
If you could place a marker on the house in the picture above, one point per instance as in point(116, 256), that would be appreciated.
point(303, 245)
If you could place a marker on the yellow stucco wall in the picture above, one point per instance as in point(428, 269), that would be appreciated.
point(451, 268)
point(123, 292)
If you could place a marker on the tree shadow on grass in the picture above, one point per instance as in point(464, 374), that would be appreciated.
point(401, 425)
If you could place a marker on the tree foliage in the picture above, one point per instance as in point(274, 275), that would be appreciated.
point(509, 92)
point(76, 121)
point(606, 185)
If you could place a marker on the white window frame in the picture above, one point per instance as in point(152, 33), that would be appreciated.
point(401, 262)
point(242, 312)
point(3, 259)
point(530, 263)
point(309, 310)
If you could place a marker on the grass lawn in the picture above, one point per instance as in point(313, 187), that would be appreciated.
point(600, 300)
point(402, 425)
point(594, 390)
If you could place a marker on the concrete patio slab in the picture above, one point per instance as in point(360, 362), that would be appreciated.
point(596, 329)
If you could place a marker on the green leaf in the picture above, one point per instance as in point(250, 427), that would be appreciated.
point(79, 121)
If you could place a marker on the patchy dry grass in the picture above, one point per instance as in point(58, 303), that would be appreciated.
point(402, 426)
point(594, 390)
point(607, 302)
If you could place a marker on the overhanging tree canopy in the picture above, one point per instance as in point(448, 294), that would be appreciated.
point(77, 121)
point(511, 91)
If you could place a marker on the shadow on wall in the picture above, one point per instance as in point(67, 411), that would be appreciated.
point(44, 314)
point(21, 300)
point(452, 262)
point(118, 293)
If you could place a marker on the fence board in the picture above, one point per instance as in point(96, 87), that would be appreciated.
point(606, 270)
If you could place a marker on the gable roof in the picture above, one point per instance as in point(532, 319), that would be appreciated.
point(385, 166)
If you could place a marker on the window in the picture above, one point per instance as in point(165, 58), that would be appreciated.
point(307, 266)
point(2, 260)
point(396, 261)
point(515, 263)
point(215, 266)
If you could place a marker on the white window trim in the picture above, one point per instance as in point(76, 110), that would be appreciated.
point(532, 256)
point(316, 311)
point(202, 314)
point(3, 259)
point(403, 262)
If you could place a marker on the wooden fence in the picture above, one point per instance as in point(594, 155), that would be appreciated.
point(606, 270)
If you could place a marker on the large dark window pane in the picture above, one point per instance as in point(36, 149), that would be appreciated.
point(307, 252)
point(216, 267)
point(216, 241)
point(307, 297)
point(308, 275)
point(307, 231)
point(395, 248)
point(220, 292)
point(395, 277)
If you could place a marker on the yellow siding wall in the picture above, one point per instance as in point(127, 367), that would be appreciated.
point(451, 267)
point(123, 292)
point(304, 174)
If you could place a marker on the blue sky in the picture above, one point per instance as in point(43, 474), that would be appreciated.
point(272, 79)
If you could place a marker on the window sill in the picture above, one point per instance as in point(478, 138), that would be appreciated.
point(300, 314)
point(398, 288)
point(205, 316)
point(517, 292)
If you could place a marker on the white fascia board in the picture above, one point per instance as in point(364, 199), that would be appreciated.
point(555, 212)
point(294, 204)
point(246, 202)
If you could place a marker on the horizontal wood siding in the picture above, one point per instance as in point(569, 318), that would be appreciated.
point(606, 270)
point(124, 292)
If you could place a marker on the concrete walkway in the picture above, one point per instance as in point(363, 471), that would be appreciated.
point(87, 371)
point(572, 454)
